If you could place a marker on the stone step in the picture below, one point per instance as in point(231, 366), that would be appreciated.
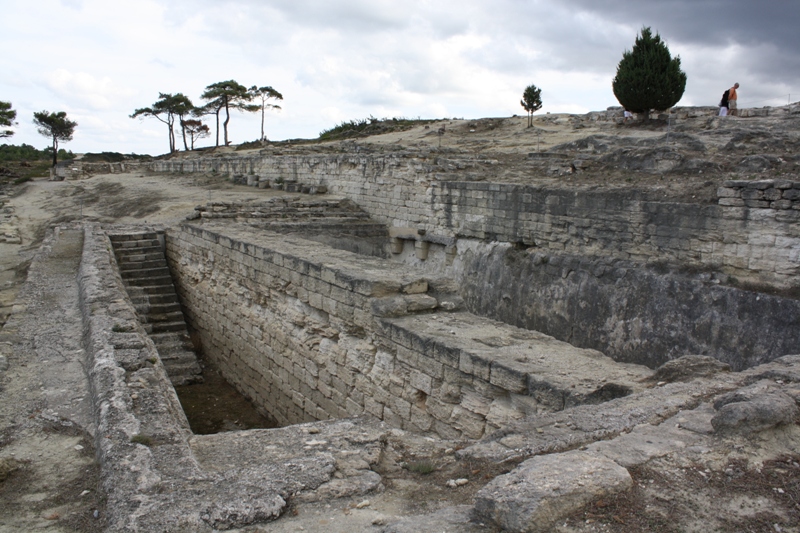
point(178, 357)
point(166, 350)
point(153, 289)
point(127, 237)
point(142, 264)
point(158, 318)
point(161, 327)
point(139, 250)
point(184, 374)
point(168, 341)
point(139, 297)
point(143, 243)
point(130, 254)
point(147, 273)
point(147, 308)
point(143, 267)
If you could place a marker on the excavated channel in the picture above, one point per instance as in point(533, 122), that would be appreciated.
point(211, 404)
point(214, 405)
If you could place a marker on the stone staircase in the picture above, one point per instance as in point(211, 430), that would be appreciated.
point(143, 267)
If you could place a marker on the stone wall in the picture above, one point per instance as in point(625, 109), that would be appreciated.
point(633, 314)
point(763, 194)
point(311, 333)
point(77, 169)
point(413, 191)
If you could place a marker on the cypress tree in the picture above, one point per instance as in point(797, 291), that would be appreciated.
point(648, 77)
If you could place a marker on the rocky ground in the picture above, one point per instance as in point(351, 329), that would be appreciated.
point(683, 156)
point(740, 482)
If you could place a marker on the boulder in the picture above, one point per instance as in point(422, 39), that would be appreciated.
point(689, 367)
point(753, 408)
point(545, 489)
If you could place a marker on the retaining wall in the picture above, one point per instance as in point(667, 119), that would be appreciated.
point(312, 333)
point(411, 190)
point(647, 316)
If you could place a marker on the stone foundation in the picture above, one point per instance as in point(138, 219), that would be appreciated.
point(311, 334)
point(422, 192)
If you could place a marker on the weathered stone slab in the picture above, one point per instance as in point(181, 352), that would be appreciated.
point(523, 361)
point(546, 488)
point(447, 520)
point(754, 408)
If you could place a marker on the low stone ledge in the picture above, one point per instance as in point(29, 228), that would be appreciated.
point(373, 277)
point(495, 373)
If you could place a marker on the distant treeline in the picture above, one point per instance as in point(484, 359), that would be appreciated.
point(111, 157)
point(26, 152)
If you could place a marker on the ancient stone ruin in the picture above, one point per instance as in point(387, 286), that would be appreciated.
point(568, 334)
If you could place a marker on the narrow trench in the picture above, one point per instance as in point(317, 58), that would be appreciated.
point(215, 406)
point(211, 404)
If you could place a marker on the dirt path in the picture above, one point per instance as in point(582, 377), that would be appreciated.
point(49, 478)
point(129, 198)
point(45, 449)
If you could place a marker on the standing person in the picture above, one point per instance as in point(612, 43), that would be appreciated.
point(732, 100)
point(723, 105)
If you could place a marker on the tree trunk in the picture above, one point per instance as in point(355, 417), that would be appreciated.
point(216, 141)
point(225, 124)
point(55, 151)
point(183, 132)
point(262, 122)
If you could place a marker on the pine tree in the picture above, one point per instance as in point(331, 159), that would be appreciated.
point(648, 77)
point(56, 126)
point(7, 116)
point(531, 101)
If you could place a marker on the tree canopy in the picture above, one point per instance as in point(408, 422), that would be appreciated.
point(56, 126)
point(7, 117)
point(228, 95)
point(196, 130)
point(531, 101)
point(167, 108)
point(264, 94)
point(648, 77)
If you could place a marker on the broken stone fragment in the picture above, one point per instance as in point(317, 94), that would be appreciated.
point(689, 367)
point(546, 488)
point(754, 408)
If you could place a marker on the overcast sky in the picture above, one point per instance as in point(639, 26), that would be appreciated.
point(337, 60)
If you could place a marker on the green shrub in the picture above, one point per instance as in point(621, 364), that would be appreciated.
point(369, 126)
point(423, 467)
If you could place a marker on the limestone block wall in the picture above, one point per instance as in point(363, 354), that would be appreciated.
point(310, 334)
point(633, 314)
point(411, 190)
point(764, 194)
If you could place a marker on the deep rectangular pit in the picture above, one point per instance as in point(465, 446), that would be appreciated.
point(312, 336)
point(312, 333)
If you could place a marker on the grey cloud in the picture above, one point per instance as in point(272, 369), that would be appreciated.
point(767, 31)
point(714, 22)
